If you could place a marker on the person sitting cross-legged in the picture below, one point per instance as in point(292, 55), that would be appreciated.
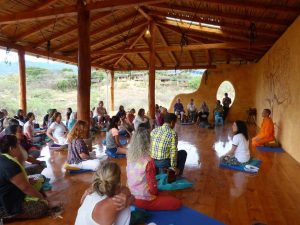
point(78, 153)
point(112, 138)
point(266, 132)
point(141, 175)
point(164, 146)
point(239, 152)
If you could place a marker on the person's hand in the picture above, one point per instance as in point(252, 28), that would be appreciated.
point(120, 201)
point(55, 140)
point(87, 192)
point(177, 171)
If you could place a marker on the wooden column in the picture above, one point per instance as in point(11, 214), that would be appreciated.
point(151, 87)
point(84, 62)
point(22, 81)
point(112, 90)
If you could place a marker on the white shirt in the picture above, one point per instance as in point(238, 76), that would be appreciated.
point(85, 212)
point(191, 107)
point(59, 130)
point(242, 152)
point(28, 129)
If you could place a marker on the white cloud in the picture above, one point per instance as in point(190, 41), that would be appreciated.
point(13, 57)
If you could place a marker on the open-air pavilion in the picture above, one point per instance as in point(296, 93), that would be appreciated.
point(252, 44)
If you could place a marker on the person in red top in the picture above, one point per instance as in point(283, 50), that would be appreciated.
point(141, 173)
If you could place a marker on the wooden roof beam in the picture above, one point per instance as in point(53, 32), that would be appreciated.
point(164, 41)
point(73, 28)
point(130, 47)
point(101, 6)
point(143, 59)
point(256, 6)
point(223, 15)
point(172, 68)
point(192, 47)
point(113, 44)
point(159, 60)
point(34, 29)
point(101, 30)
point(225, 25)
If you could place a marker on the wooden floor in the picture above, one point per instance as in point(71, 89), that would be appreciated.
point(271, 197)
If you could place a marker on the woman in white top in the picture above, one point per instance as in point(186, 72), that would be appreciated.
point(98, 205)
point(141, 118)
point(58, 131)
point(239, 152)
point(28, 129)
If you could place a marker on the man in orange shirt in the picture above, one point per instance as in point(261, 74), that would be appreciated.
point(266, 132)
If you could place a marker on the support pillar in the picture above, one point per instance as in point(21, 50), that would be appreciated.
point(84, 62)
point(112, 90)
point(22, 81)
point(151, 87)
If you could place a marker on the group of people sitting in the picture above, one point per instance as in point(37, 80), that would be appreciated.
point(193, 115)
point(150, 151)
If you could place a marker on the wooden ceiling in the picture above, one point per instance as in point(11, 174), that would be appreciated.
point(48, 28)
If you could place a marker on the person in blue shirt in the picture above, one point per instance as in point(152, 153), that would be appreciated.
point(178, 109)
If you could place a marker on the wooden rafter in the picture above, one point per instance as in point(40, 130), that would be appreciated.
point(103, 29)
point(143, 59)
point(130, 47)
point(100, 6)
point(217, 14)
point(156, 55)
point(34, 29)
point(226, 25)
point(192, 47)
point(73, 28)
point(43, 5)
point(97, 57)
point(171, 68)
point(256, 6)
point(164, 40)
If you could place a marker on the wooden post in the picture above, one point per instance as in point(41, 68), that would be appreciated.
point(84, 62)
point(112, 90)
point(22, 81)
point(151, 87)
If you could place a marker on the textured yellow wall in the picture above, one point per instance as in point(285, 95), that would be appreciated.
point(274, 82)
point(242, 81)
point(278, 87)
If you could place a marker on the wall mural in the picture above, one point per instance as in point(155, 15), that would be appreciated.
point(276, 80)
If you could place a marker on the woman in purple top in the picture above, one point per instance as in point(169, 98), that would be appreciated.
point(78, 153)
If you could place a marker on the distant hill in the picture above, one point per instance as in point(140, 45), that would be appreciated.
point(13, 68)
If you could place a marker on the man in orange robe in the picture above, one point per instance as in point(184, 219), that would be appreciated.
point(266, 132)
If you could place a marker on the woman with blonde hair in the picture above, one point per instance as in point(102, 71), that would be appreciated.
point(141, 175)
point(98, 206)
point(78, 153)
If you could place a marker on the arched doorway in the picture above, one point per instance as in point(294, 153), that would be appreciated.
point(226, 87)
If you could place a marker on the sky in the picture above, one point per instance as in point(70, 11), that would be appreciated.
point(13, 57)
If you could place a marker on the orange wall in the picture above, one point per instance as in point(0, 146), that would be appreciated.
point(242, 81)
point(278, 87)
point(274, 82)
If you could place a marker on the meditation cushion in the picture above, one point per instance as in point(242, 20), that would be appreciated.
point(179, 183)
point(251, 167)
point(75, 170)
point(272, 144)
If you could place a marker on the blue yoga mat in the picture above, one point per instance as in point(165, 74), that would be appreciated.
point(122, 142)
point(183, 216)
point(253, 162)
point(115, 155)
point(269, 149)
point(79, 171)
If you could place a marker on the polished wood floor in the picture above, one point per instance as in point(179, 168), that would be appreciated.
point(271, 197)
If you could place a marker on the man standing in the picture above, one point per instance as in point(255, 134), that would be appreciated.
point(164, 146)
point(226, 103)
